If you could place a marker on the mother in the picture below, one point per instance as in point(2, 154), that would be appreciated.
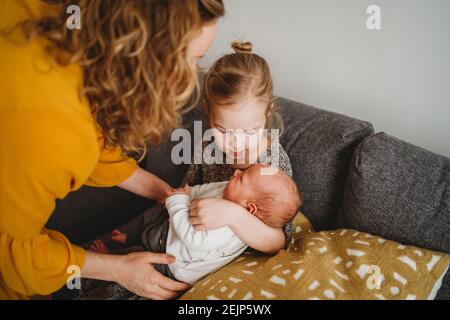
point(73, 105)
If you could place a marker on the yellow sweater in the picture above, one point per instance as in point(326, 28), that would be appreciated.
point(49, 146)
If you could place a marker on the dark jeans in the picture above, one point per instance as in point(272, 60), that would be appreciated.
point(147, 232)
point(90, 212)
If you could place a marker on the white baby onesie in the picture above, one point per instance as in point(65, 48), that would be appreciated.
point(198, 253)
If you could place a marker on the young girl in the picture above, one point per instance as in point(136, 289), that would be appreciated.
point(239, 102)
point(238, 97)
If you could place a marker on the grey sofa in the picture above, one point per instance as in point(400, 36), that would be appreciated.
point(353, 178)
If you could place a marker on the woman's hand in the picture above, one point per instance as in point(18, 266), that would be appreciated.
point(209, 214)
point(147, 185)
point(136, 273)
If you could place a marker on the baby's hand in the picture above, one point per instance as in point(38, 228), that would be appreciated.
point(183, 190)
point(118, 236)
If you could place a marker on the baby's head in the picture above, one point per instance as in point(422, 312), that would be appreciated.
point(273, 198)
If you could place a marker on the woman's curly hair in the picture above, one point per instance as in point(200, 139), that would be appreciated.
point(137, 77)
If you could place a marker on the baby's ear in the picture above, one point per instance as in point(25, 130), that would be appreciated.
point(252, 208)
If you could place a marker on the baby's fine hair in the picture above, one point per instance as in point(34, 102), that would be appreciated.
point(279, 202)
point(238, 75)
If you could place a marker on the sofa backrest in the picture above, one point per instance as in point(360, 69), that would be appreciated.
point(400, 192)
point(320, 145)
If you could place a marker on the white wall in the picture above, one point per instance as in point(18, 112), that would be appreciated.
point(321, 53)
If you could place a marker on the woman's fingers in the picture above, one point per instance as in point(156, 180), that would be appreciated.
point(160, 258)
point(138, 266)
point(151, 293)
point(154, 296)
point(163, 288)
point(171, 285)
point(158, 293)
point(166, 294)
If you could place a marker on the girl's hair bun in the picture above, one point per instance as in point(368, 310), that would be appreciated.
point(242, 47)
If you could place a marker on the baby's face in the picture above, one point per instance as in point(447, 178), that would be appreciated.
point(273, 198)
point(243, 184)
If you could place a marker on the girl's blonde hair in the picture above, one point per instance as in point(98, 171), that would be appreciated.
point(238, 75)
point(137, 76)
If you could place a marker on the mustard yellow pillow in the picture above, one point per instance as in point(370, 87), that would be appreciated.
point(340, 264)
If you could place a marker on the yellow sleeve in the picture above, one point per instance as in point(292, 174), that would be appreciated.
point(112, 167)
point(37, 265)
point(43, 156)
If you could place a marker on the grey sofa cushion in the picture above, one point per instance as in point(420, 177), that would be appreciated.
point(158, 159)
point(320, 145)
point(400, 192)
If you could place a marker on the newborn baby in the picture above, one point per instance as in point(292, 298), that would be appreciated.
point(273, 198)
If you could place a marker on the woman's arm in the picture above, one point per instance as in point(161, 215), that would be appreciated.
point(147, 185)
point(135, 272)
point(207, 214)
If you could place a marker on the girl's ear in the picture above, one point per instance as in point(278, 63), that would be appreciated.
point(252, 208)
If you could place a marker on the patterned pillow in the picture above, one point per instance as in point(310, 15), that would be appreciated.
point(341, 264)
